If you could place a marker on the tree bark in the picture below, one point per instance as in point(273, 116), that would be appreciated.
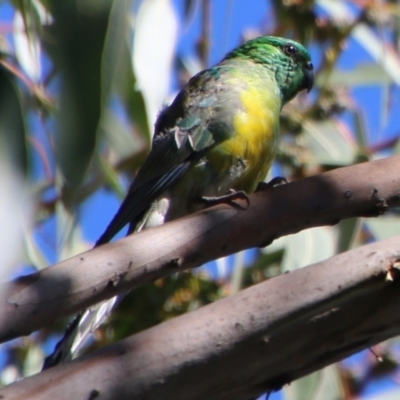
point(247, 344)
point(31, 302)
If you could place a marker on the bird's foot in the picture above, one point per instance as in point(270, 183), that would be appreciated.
point(228, 198)
point(278, 180)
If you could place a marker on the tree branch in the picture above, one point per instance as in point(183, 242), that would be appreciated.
point(34, 301)
point(247, 344)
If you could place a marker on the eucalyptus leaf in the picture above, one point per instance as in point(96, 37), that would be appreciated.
point(304, 388)
point(112, 178)
point(363, 75)
point(16, 215)
point(119, 136)
point(330, 142)
point(35, 255)
point(116, 54)
point(78, 31)
point(321, 385)
point(308, 247)
point(69, 232)
point(156, 23)
point(384, 227)
point(13, 135)
point(33, 360)
point(349, 230)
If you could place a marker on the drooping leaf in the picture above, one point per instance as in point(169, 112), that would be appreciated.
point(384, 227)
point(118, 79)
point(13, 136)
point(78, 36)
point(330, 142)
point(320, 385)
point(16, 214)
point(349, 230)
point(154, 44)
point(308, 247)
point(363, 75)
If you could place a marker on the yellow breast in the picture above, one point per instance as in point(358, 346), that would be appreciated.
point(254, 140)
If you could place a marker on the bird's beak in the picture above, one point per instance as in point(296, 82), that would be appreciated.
point(308, 76)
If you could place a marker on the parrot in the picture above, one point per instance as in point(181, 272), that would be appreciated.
point(214, 143)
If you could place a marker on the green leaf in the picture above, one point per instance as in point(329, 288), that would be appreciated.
point(116, 55)
point(13, 136)
point(308, 247)
point(363, 75)
point(238, 272)
point(111, 178)
point(16, 215)
point(349, 230)
point(34, 253)
point(78, 36)
point(384, 227)
point(330, 143)
point(304, 388)
point(33, 360)
point(321, 385)
point(119, 135)
point(117, 74)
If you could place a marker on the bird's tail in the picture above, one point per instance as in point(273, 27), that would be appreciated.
point(79, 331)
point(85, 323)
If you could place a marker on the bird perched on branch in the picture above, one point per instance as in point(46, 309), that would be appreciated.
point(214, 143)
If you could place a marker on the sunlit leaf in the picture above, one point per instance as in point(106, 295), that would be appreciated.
point(320, 385)
point(9, 374)
point(35, 255)
point(33, 360)
point(238, 272)
point(28, 50)
point(118, 77)
point(363, 75)
point(330, 142)
point(384, 227)
point(154, 44)
point(16, 215)
point(307, 247)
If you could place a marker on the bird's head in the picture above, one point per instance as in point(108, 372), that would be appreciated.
point(289, 60)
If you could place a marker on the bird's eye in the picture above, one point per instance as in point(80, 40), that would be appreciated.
point(290, 50)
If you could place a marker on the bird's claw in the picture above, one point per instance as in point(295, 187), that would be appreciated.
point(278, 180)
point(228, 198)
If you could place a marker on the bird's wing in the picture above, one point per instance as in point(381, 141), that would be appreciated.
point(183, 133)
point(146, 189)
